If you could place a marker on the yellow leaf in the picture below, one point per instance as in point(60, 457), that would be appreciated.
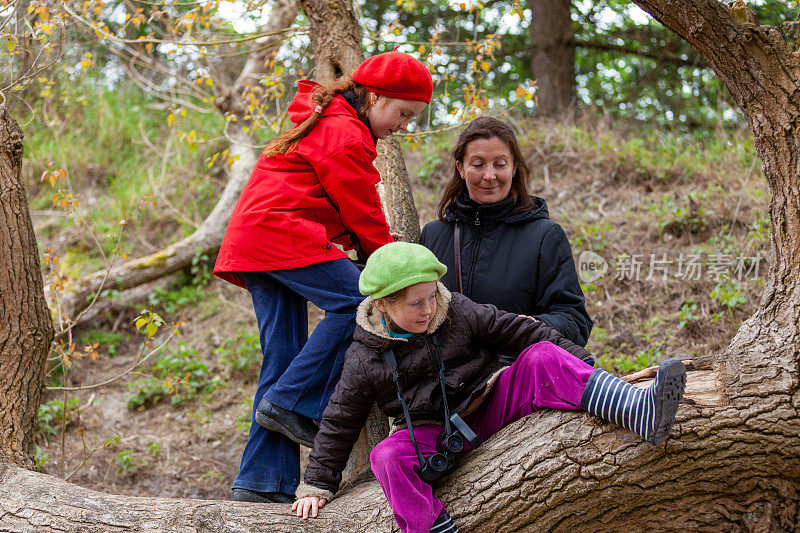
point(11, 45)
point(421, 49)
point(521, 92)
point(170, 119)
point(485, 66)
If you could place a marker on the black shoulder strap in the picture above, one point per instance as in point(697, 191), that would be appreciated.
point(457, 255)
point(388, 356)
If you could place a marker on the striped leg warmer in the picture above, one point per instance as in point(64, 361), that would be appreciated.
point(444, 524)
point(647, 412)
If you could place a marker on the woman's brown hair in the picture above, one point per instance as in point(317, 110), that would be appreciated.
point(321, 97)
point(488, 128)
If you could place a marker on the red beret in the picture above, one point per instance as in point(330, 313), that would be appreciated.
point(396, 75)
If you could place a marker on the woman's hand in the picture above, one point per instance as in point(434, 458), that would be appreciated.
point(396, 236)
point(534, 319)
point(312, 503)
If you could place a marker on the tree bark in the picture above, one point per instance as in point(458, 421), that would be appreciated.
point(26, 328)
point(208, 237)
point(395, 191)
point(552, 56)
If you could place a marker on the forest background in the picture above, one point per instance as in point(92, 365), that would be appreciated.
point(131, 137)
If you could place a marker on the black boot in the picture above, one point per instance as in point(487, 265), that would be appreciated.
point(297, 427)
point(254, 496)
point(647, 412)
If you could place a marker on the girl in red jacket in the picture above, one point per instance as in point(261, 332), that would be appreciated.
point(312, 195)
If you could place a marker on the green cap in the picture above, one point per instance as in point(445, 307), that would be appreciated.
point(397, 265)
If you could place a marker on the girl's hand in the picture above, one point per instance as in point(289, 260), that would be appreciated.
point(534, 319)
point(312, 503)
point(396, 236)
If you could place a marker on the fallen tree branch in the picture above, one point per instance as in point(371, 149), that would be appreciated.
point(553, 470)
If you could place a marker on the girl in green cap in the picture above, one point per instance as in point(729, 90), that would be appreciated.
point(428, 358)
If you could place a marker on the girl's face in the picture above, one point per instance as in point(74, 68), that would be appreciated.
point(390, 115)
point(487, 169)
point(415, 311)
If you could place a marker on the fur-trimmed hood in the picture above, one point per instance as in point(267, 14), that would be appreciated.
point(372, 332)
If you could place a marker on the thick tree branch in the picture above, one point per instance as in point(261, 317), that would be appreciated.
point(660, 56)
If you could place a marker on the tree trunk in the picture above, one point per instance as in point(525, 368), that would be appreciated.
point(395, 191)
point(26, 328)
point(208, 237)
point(552, 56)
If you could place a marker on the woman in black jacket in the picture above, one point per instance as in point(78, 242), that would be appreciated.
point(511, 254)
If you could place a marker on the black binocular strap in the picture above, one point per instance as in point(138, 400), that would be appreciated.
point(388, 355)
point(435, 339)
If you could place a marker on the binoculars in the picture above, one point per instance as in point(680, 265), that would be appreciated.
point(448, 444)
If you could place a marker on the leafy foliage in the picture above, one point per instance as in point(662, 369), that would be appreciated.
point(53, 412)
point(242, 353)
point(179, 375)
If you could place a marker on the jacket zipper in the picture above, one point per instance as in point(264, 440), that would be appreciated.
point(468, 292)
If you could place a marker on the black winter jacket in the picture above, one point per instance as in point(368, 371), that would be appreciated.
point(519, 262)
point(469, 336)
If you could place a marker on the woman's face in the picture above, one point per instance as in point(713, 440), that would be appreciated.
point(415, 311)
point(488, 170)
point(390, 115)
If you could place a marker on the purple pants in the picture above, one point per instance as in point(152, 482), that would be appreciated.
point(543, 375)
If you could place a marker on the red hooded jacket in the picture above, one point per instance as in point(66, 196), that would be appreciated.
point(297, 205)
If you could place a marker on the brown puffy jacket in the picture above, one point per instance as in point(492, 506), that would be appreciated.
point(469, 336)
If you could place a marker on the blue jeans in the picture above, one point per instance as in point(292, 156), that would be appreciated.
point(298, 372)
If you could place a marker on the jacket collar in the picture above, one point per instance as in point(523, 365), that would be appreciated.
point(465, 209)
point(371, 332)
point(355, 102)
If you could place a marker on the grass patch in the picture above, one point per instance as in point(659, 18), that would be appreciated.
point(178, 375)
point(109, 340)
